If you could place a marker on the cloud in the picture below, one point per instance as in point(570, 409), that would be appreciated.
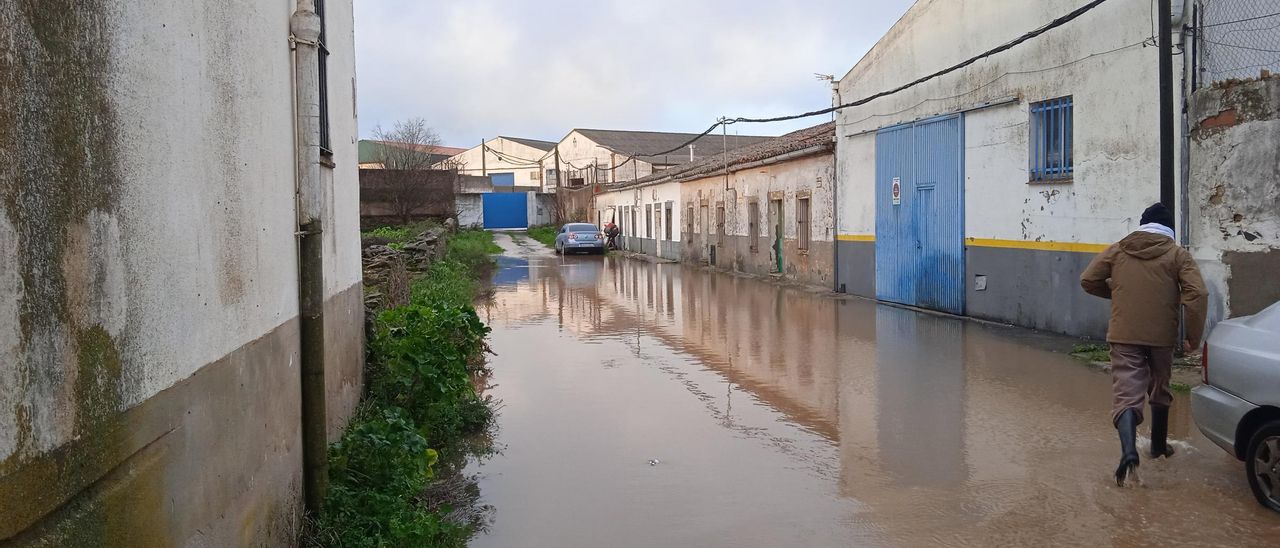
point(480, 68)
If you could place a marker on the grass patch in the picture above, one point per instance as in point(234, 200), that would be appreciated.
point(1180, 387)
point(545, 234)
point(1091, 352)
point(473, 249)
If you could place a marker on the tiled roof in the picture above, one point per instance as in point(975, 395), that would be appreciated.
point(822, 135)
point(645, 144)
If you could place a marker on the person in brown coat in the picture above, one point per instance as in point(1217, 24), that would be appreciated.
point(1146, 276)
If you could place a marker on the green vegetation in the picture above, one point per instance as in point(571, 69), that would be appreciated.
point(397, 236)
point(545, 234)
point(1180, 387)
point(1091, 352)
point(421, 404)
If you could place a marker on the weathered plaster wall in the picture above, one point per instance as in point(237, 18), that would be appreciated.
point(146, 239)
point(810, 176)
point(1235, 194)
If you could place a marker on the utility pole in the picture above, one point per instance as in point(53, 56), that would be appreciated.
point(484, 153)
point(1165, 18)
point(558, 185)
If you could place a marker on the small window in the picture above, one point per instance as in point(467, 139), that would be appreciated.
point(753, 226)
point(688, 221)
point(326, 146)
point(1051, 127)
point(533, 175)
point(802, 224)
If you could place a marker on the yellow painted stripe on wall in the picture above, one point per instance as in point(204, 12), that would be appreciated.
point(856, 237)
point(1039, 246)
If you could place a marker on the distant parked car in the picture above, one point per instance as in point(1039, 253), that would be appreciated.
point(1238, 406)
point(580, 237)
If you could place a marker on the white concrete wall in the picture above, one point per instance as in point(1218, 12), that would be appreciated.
point(475, 161)
point(1115, 114)
point(655, 196)
point(582, 152)
point(192, 255)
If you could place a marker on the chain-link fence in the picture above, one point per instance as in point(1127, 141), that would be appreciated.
point(1235, 39)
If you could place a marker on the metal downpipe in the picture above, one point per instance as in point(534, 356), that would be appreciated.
point(305, 33)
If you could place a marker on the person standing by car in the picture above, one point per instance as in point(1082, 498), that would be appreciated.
point(1146, 276)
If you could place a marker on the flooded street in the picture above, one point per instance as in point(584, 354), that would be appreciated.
point(662, 405)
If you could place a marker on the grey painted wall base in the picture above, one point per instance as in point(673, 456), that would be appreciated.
point(1036, 289)
point(857, 267)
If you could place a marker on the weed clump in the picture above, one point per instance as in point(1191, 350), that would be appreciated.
point(421, 401)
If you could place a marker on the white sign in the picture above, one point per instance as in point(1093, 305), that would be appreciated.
point(897, 191)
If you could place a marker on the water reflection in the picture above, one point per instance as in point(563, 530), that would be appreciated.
point(795, 418)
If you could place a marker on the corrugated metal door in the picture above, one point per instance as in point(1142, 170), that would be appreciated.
point(920, 233)
point(895, 232)
point(505, 209)
point(503, 179)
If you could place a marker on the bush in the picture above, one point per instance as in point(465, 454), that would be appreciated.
point(422, 353)
point(376, 472)
point(447, 283)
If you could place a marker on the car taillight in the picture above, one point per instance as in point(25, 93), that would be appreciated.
point(1204, 363)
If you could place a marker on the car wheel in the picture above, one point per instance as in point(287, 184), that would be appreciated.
point(1262, 465)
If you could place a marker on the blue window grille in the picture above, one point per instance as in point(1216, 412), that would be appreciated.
point(1051, 127)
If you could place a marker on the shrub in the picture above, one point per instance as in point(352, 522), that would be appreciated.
point(422, 354)
point(376, 472)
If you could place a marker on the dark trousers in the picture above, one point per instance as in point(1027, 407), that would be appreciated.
point(1140, 374)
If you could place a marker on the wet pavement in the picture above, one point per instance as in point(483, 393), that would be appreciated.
point(664, 405)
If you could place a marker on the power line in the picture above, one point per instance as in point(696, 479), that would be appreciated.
point(1247, 19)
point(1063, 20)
point(1003, 47)
point(997, 79)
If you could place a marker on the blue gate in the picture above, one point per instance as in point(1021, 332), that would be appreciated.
point(920, 214)
point(505, 209)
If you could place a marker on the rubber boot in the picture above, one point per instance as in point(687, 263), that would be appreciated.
point(1160, 432)
point(1127, 427)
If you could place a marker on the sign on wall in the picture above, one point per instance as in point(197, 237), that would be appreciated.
point(897, 191)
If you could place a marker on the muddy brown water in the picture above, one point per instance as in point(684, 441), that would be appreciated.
point(781, 417)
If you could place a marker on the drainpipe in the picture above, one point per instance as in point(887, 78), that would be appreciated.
point(305, 27)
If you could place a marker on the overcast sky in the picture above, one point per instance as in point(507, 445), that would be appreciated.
point(480, 68)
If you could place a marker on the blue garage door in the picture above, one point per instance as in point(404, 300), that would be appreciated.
point(506, 209)
point(920, 233)
point(503, 179)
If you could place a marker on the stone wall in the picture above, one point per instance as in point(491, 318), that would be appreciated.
point(1234, 193)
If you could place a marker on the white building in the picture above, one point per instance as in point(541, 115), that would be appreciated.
point(151, 349)
point(507, 161)
point(600, 156)
point(986, 191)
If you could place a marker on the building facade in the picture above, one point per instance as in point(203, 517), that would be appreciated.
point(600, 156)
point(507, 161)
point(986, 191)
point(149, 277)
point(763, 209)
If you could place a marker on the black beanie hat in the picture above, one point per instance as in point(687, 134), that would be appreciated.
point(1158, 213)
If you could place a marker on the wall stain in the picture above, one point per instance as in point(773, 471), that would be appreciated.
point(59, 169)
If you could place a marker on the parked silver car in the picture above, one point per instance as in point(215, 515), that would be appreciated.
point(580, 237)
point(1238, 406)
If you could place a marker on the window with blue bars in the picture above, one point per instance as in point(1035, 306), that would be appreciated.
point(1051, 127)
